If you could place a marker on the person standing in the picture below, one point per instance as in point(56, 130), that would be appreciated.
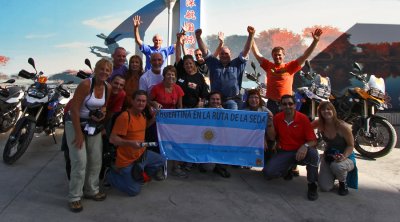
point(119, 60)
point(148, 50)
point(152, 76)
point(226, 74)
point(295, 145)
point(83, 135)
point(280, 74)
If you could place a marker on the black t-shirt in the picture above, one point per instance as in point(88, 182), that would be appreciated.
point(194, 86)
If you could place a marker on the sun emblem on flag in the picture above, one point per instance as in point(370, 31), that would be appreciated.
point(208, 134)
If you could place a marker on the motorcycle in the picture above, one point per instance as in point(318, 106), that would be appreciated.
point(43, 107)
point(255, 76)
point(10, 105)
point(316, 89)
point(374, 136)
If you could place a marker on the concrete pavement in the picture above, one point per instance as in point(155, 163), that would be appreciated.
point(35, 189)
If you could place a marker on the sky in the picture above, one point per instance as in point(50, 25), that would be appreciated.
point(57, 33)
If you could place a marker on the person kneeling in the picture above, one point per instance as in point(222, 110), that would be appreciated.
point(132, 159)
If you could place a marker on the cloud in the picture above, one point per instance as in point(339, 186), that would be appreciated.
point(108, 22)
point(40, 36)
point(73, 45)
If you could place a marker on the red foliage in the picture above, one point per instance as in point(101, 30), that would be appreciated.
point(3, 60)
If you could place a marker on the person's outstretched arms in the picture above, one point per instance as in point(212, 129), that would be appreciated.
point(179, 43)
point(316, 36)
point(136, 24)
point(249, 42)
point(256, 52)
point(200, 42)
point(221, 43)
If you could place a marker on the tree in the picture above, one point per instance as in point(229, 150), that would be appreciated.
point(330, 34)
point(292, 43)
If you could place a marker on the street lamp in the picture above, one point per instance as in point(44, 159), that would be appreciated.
point(170, 4)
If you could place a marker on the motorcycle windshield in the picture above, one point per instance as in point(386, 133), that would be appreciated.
point(376, 83)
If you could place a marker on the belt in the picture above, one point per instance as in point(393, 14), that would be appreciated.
point(233, 97)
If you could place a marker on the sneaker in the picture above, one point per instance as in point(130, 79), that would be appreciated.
point(178, 172)
point(100, 196)
point(343, 189)
point(160, 174)
point(312, 193)
point(75, 206)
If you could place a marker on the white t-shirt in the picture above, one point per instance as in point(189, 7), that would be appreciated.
point(149, 79)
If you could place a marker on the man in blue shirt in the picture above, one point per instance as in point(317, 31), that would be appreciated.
point(225, 74)
point(147, 50)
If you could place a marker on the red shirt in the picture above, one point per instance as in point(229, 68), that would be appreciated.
point(292, 136)
point(116, 101)
point(166, 99)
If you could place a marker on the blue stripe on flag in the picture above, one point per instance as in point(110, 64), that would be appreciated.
point(206, 153)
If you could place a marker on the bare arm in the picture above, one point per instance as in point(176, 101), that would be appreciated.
point(79, 96)
point(249, 42)
point(179, 45)
point(316, 36)
point(136, 24)
point(256, 52)
point(348, 136)
point(200, 42)
point(221, 43)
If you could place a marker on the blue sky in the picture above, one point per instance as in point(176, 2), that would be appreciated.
point(57, 33)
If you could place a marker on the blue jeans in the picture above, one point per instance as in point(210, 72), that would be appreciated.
point(280, 163)
point(234, 104)
point(122, 178)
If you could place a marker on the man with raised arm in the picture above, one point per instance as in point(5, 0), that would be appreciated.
point(280, 74)
point(147, 50)
point(226, 74)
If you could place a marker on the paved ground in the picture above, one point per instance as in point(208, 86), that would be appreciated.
point(35, 189)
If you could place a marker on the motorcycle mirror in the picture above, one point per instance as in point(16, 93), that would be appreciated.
point(253, 66)
point(10, 81)
point(32, 63)
point(357, 66)
point(87, 62)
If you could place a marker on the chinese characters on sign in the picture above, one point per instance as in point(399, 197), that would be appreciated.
point(190, 21)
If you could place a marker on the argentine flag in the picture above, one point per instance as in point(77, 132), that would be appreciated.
point(212, 135)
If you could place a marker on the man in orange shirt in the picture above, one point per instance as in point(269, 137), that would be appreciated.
point(128, 134)
point(280, 74)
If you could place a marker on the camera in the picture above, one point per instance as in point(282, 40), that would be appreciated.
point(96, 113)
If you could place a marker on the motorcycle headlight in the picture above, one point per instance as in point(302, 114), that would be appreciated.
point(32, 92)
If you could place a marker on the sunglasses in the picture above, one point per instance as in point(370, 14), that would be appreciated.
point(287, 104)
point(198, 54)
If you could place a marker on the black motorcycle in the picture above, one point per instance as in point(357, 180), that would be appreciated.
point(10, 105)
point(43, 108)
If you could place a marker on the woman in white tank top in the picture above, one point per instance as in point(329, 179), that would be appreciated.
point(85, 146)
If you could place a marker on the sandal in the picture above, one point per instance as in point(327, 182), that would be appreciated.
point(75, 206)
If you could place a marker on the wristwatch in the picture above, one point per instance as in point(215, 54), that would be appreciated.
point(306, 145)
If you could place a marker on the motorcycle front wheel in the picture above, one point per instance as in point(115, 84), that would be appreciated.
point(378, 142)
point(19, 140)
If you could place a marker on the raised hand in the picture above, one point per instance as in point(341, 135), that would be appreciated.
point(316, 34)
point(136, 21)
point(198, 32)
point(221, 36)
point(251, 30)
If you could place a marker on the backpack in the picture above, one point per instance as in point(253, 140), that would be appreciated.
point(109, 149)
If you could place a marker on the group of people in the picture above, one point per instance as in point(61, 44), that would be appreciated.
point(124, 100)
